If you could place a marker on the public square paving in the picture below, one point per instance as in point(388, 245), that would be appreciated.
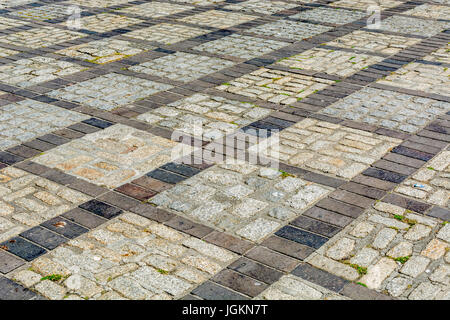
point(224, 149)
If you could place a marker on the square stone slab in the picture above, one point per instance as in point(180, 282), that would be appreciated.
point(388, 109)
point(109, 91)
point(166, 33)
point(440, 55)
point(210, 116)
point(287, 29)
point(422, 77)
point(155, 9)
point(28, 72)
point(364, 4)
point(106, 22)
point(432, 11)
point(132, 257)
point(339, 63)
point(40, 37)
point(41, 13)
point(28, 200)
point(326, 147)
point(105, 51)
point(261, 6)
point(110, 157)
point(218, 19)
point(182, 66)
point(245, 200)
point(373, 42)
point(27, 119)
point(275, 86)
point(7, 23)
point(241, 46)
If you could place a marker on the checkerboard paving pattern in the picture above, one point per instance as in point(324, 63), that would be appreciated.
point(109, 91)
point(28, 200)
point(388, 109)
point(27, 119)
point(28, 72)
point(181, 66)
point(234, 150)
point(275, 86)
point(247, 200)
point(110, 157)
point(215, 115)
point(330, 61)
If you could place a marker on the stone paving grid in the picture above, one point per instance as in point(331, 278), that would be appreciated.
point(208, 270)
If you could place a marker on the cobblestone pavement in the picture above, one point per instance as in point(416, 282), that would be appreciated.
point(224, 149)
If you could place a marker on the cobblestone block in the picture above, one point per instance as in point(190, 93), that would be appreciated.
point(218, 19)
point(291, 30)
point(330, 61)
point(182, 66)
point(388, 109)
point(109, 91)
point(275, 86)
point(167, 33)
point(110, 157)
